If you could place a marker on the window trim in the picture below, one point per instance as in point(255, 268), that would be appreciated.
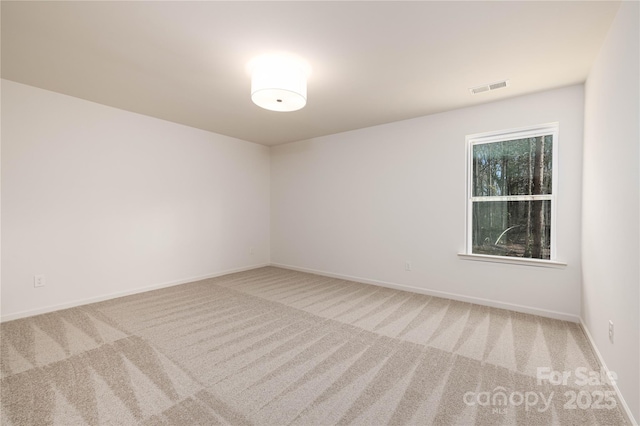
point(545, 263)
point(552, 129)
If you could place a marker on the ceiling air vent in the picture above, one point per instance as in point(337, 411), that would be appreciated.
point(489, 87)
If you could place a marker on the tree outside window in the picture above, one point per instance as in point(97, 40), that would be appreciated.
point(511, 193)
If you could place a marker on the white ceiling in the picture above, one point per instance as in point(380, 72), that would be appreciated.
point(373, 62)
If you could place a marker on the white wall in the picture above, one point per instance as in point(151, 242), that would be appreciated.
point(104, 201)
point(360, 203)
point(611, 202)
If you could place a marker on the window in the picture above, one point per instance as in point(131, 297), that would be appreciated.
point(511, 193)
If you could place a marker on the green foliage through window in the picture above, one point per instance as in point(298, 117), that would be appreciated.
point(511, 196)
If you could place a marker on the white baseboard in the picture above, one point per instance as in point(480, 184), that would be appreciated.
point(625, 407)
point(469, 299)
point(75, 303)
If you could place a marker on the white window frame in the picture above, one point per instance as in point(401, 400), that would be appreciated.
point(507, 135)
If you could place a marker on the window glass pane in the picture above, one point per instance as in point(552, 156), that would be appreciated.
point(515, 167)
point(512, 228)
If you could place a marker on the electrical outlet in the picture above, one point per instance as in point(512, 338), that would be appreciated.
point(38, 280)
point(407, 266)
point(611, 331)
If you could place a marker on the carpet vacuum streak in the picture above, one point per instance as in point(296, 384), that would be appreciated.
point(277, 347)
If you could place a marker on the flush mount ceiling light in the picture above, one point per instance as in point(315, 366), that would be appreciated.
point(279, 82)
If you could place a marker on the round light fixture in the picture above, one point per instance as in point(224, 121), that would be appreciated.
point(279, 83)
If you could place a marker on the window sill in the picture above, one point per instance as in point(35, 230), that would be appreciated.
point(512, 260)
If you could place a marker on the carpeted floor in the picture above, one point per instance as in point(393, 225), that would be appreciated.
point(276, 347)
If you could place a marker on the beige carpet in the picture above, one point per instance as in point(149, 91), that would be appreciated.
point(277, 347)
